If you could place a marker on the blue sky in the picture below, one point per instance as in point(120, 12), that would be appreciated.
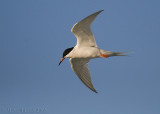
point(34, 34)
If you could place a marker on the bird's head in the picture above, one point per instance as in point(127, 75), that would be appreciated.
point(66, 52)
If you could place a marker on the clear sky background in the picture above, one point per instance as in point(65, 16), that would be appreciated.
point(34, 34)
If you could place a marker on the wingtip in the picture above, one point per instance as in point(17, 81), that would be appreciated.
point(94, 90)
point(100, 11)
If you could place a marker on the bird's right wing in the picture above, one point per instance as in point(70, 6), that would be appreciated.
point(80, 67)
point(83, 32)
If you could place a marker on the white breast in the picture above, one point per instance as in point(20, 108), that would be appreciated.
point(84, 52)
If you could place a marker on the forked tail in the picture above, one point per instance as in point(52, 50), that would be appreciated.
point(119, 54)
point(106, 54)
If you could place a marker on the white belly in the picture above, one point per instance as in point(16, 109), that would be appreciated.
point(85, 52)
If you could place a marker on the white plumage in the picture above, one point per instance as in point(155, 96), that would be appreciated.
point(85, 50)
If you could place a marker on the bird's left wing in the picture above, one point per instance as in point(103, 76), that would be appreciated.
point(80, 67)
point(83, 32)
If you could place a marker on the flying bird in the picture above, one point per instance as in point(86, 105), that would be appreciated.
point(85, 49)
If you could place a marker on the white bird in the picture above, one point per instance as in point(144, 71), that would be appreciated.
point(85, 50)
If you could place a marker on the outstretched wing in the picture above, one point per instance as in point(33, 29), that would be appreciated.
point(80, 67)
point(83, 32)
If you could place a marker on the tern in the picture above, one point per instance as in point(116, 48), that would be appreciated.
point(85, 49)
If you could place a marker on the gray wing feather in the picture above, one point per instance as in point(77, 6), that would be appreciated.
point(80, 67)
point(83, 32)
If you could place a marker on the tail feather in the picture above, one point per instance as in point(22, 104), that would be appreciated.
point(119, 54)
point(110, 53)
